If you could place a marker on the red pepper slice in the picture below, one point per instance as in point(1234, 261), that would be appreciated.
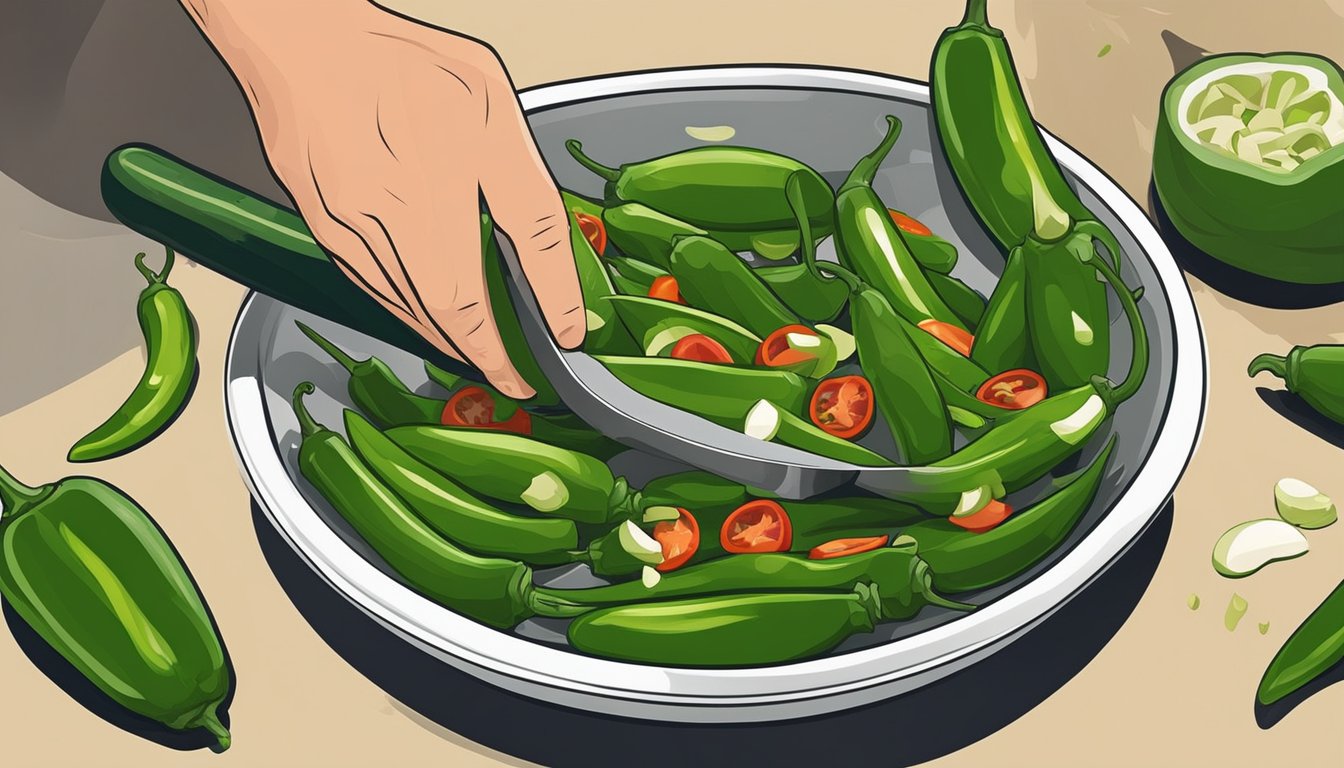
point(959, 339)
point(775, 351)
point(760, 525)
point(846, 547)
point(1014, 390)
point(701, 348)
point(843, 405)
point(473, 407)
point(994, 512)
point(593, 229)
point(665, 287)
point(679, 539)
point(908, 223)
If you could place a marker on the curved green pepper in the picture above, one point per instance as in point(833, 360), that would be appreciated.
point(870, 245)
point(962, 560)
point(642, 233)
point(493, 591)
point(657, 325)
point(731, 192)
point(811, 299)
point(714, 278)
point(1067, 319)
point(695, 490)
point(86, 568)
point(1315, 374)
point(1271, 207)
point(1003, 342)
point(515, 468)
point(1314, 647)
point(170, 371)
point(723, 394)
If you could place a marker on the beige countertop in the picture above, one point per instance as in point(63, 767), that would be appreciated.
point(1171, 686)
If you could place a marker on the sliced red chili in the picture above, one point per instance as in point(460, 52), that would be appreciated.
point(776, 351)
point(1014, 390)
point(992, 514)
point(701, 348)
point(843, 405)
point(760, 525)
point(959, 339)
point(473, 407)
point(593, 229)
point(846, 547)
point(908, 223)
point(679, 539)
point(665, 287)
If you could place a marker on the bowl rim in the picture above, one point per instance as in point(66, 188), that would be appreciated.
point(847, 679)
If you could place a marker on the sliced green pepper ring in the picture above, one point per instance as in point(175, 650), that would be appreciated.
point(843, 406)
point(474, 407)
point(908, 224)
point(594, 230)
point(1014, 390)
point(679, 539)
point(760, 525)
point(665, 287)
point(702, 349)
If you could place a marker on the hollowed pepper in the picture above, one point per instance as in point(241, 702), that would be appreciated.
point(733, 193)
point(493, 591)
point(86, 568)
point(869, 243)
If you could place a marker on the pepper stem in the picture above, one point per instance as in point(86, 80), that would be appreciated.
point(933, 598)
point(793, 191)
point(15, 497)
point(347, 362)
point(1275, 364)
point(575, 148)
point(977, 14)
point(308, 426)
point(866, 168)
point(223, 738)
point(1138, 361)
point(150, 276)
point(551, 606)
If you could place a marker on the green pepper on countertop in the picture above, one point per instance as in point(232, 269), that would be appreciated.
point(721, 393)
point(86, 568)
point(904, 390)
point(870, 245)
point(514, 468)
point(493, 591)
point(1314, 647)
point(733, 193)
point(963, 560)
point(1315, 374)
point(749, 629)
point(166, 383)
point(270, 250)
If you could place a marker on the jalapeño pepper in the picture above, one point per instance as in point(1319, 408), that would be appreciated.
point(493, 591)
point(811, 299)
point(695, 490)
point(870, 245)
point(1067, 320)
point(1315, 374)
point(642, 233)
point(731, 192)
point(84, 566)
point(638, 275)
point(377, 390)
point(605, 334)
point(723, 394)
point(657, 325)
point(715, 279)
point(961, 298)
point(1003, 342)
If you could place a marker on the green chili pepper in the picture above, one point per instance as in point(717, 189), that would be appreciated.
point(962, 560)
point(1003, 342)
point(625, 285)
point(579, 204)
point(170, 371)
point(377, 391)
point(745, 630)
point(515, 468)
point(904, 390)
point(657, 325)
point(1067, 319)
point(1314, 647)
point(492, 591)
point(95, 578)
point(962, 299)
point(452, 511)
point(870, 245)
point(767, 421)
point(1315, 374)
point(642, 233)
point(804, 295)
point(639, 274)
point(695, 490)
point(936, 255)
point(731, 192)
point(958, 399)
point(605, 334)
point(714, 278)
point(269, 249)
point(721, 393)
point(814, 523)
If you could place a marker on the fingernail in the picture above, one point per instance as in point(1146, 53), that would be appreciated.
point(570, 337)
point(515, 389)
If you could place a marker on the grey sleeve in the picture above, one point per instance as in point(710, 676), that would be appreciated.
point(81, 77)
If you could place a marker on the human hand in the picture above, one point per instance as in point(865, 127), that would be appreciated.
point(386, 132)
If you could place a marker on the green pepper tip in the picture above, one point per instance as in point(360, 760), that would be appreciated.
point(1275, 364)
point(339, 355)
point(575, 148)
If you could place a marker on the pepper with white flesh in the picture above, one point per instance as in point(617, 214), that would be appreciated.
point(1250, 546)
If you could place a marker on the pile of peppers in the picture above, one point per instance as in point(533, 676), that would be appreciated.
point(980, 398)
